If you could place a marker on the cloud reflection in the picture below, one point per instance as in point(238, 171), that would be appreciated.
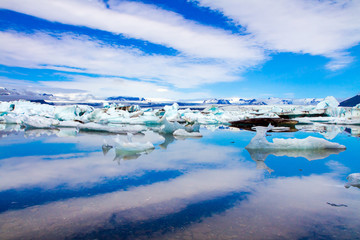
point(63, 218)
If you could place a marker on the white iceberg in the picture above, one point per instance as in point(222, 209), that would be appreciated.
point(259, 141)
point(184, 133)
point(38, 122)
point(110, 129)
point(133, 147)
point(330, 105)
point(171, 112)
point(353, 180)
point(168, 127)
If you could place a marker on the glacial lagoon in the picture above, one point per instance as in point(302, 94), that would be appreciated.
point(65, 184)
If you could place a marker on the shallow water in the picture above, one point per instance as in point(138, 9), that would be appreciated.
point(60, 184)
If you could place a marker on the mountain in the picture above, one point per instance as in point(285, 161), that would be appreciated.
point(216, 101)
point(14, 94)
point(126, 99)
point(351, 102)
point(267, 101)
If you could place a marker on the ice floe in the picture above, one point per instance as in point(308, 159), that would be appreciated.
point(169, 118)
point(133, 147)
point(259, 141)
point(184, 133)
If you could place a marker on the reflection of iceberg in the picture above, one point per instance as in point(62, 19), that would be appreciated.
point(309, 143)
point(353, 180)
point(110, 129)
point(129, 155)
point(106, 148)
point(169, 138)
point(259, 157)
point(309, 154)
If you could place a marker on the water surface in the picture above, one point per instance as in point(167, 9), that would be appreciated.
point(60, 184)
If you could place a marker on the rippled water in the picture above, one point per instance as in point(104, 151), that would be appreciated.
point(56, 184)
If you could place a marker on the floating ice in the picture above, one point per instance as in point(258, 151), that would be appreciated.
point(38, 122)
point(330, 104)
point(171, 112)
point(353, 180)
point(260, 142)
point(184, 133)
point(133, 147)
point(168, 127)
point(111, 129)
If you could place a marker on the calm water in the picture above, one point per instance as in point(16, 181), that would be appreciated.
point(62, 185)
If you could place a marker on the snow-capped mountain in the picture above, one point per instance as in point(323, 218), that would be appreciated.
point(266, 101)
point(14, 94)
point(123, 98)
point(351, 102)
point(289, 101)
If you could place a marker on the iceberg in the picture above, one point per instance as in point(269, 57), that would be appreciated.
point(133, 147)
point(353, 180)
point(110, 129)
point(168, 127)
point(184, 133)
point(171, 112)
point(330, 105)
point(259, 141)
point(38, 122)
point(64, 113)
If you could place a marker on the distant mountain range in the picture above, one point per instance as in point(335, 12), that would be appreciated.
point(351, 102)
point(14, 94)
point(85, 98)
point(266, 101)
point(122, 98)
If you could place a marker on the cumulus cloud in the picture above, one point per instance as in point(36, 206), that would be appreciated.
point(324, 28)
point(79, 54)
point(145, 22)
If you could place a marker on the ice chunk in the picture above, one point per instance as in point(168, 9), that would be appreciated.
point(133, 147)
point(68, 124)
point(6, 107)
point(111, 129)
point(13, 119)
point(38, 122)
point(353, 180)
point(184, 133)
point(171, 112)
point(64, 113)
point(67, 132)
point(330, 104)
point(168, 127)
point(260, 142)
point(193, 128)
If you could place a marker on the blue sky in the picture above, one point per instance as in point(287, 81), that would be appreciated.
point(181, 49)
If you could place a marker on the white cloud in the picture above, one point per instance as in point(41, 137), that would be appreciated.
point(110, 86)
point(79, 54)
point(145, 22)
point(324, 28)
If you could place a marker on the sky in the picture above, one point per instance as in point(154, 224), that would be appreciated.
point(182, 49)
